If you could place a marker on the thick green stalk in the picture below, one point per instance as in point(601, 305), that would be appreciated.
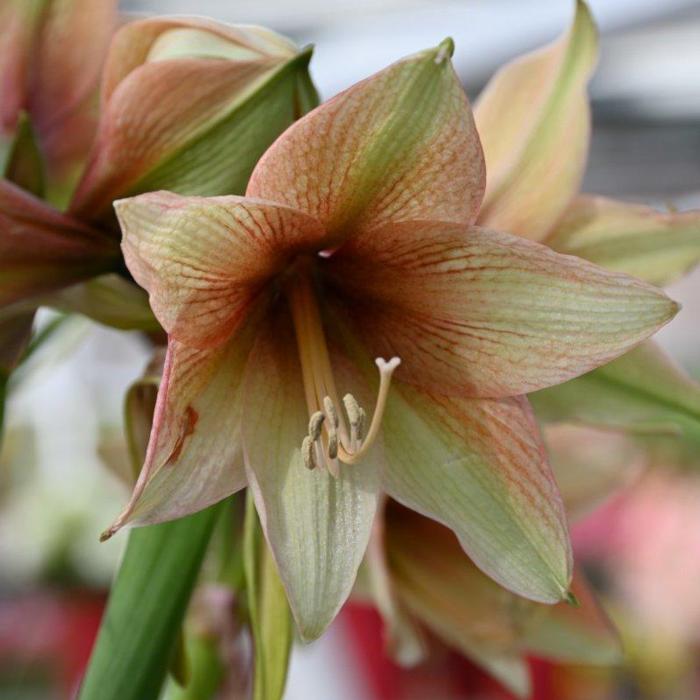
point(146, 608)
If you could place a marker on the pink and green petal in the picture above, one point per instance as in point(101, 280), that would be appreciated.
point(482, 313)
point(534, 122)
point(317, 526)
point(478, 466)
point(194, 456)
point(466, 609)
point(632, 238)
point(204, 261)
point(400, 145)
point(42, 250)
point(167, 38)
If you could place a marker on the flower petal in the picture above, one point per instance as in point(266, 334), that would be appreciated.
point(643, 391)
point(400, 145)
point(187, 122)
point(534, 122)
point(488, 314)
point(630, 238)
point(478, 466)
point(317, 526)
point(205, 260)
point(42, 250)
point(194, 456)
point(442, 587)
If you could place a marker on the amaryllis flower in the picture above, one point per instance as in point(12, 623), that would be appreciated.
point(356, 240)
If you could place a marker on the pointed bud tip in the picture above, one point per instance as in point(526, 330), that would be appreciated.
point(445, 49)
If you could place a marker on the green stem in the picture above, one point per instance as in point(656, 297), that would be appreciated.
point(146, 608)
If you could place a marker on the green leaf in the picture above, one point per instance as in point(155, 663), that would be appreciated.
point(642, 391)
point(146, 607)
point(270, 617)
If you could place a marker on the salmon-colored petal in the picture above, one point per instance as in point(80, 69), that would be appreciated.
point(534, 122)
point(483, 313)
point(630, 238)
point(205, 260)
point(442, 587)
point(159, 109)
point(194, 456)
point(400, 145)
point(161, 38)
point(478, 466)
point(67, 58)
point(42, 250)
point(317, 526)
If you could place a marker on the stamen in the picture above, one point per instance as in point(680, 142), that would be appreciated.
point(386, 369)
point(315, 425)
point(307, 452)
point(335, 435)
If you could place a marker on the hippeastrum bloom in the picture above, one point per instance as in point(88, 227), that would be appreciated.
point(356, 239)
point(534, 122)
point(190, 105)
point(51, 54)
point(439, 588)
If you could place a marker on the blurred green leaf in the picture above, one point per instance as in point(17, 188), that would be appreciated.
point(270, 617)
point(146, 608)
point(642, 392)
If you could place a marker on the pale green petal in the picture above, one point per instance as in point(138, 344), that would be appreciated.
point(643, 391)
point(478, 466)
point(641, 241)
point(317, 526)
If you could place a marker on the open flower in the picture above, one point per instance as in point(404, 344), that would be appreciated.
point(356, 239)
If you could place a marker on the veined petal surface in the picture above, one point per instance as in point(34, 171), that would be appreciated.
point(534, 122)
point(194, 456)
point(317, 526)
point(478, 466)
point(481, 313)
point(204, 261)
point(399, 145)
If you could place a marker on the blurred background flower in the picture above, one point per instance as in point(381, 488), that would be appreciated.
point(641, 547)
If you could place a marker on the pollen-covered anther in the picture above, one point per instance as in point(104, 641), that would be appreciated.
point(315, 425)
point(307, 452)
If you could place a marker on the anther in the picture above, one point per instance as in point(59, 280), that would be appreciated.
point(307, 452)
point(332, 444)
point(315, 425)
point(331, 413)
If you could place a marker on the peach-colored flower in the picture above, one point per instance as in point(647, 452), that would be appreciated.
point(357, 238)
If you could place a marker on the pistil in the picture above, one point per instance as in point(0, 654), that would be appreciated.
point(336, 431)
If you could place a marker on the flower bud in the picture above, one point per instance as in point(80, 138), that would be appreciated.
point(189, 105)
point(51, 54)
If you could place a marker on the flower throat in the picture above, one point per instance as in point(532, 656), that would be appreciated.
point(337, 432)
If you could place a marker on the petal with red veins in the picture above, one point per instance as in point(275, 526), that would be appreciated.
point(488, 314)
point(317, 526)
point(399, 145)
point(204, 261)
point(194, 456)
point(534, 122)
point(478, 466)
